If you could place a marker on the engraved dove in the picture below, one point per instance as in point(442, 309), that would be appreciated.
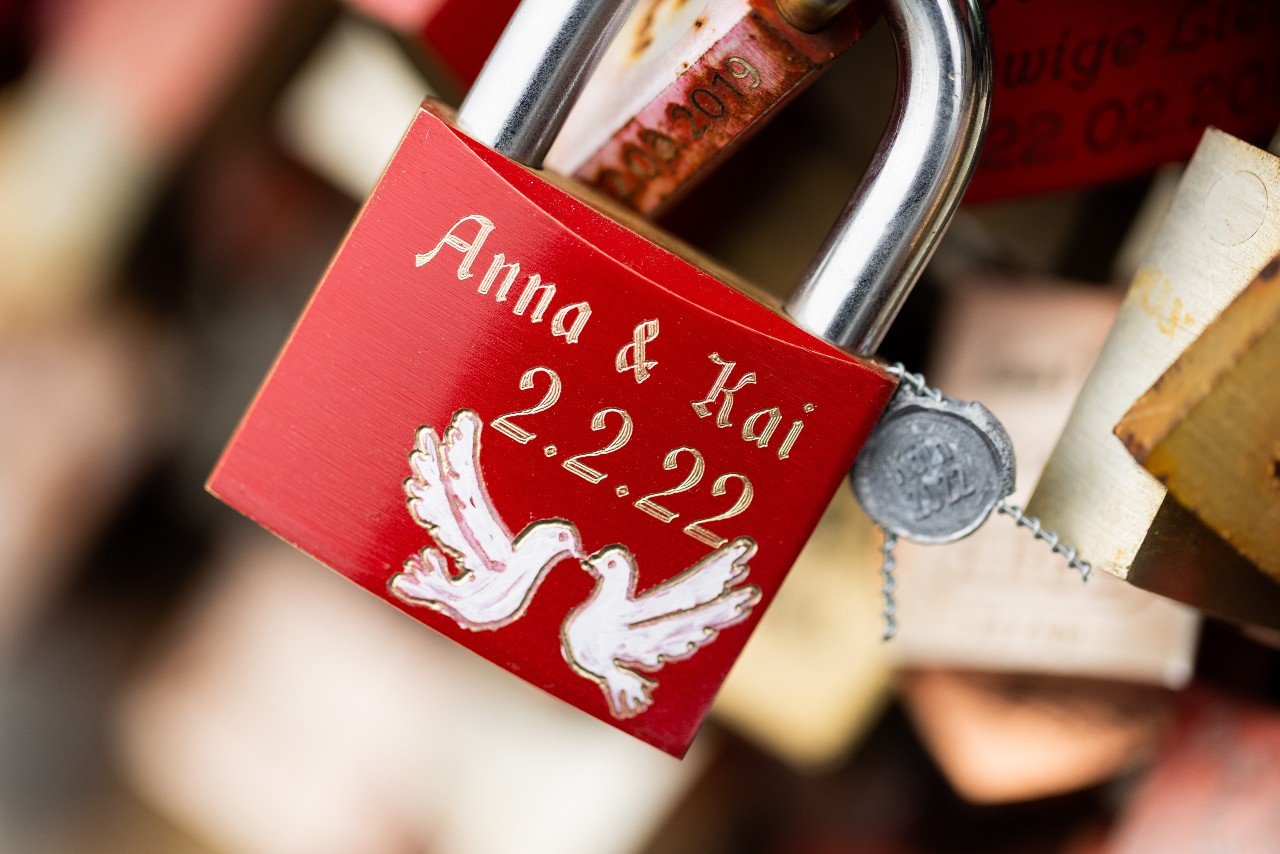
point(614, 633)
point(497, 574)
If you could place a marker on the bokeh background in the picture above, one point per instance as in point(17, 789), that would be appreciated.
point(173, 179)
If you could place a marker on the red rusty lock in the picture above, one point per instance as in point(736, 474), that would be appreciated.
point(596, 439)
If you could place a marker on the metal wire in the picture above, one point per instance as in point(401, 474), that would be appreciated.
point(914, 381)
point(887, 566)
point(1031, 523)
point(917, 384)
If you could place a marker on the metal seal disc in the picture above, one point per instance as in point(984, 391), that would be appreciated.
point(932, 471)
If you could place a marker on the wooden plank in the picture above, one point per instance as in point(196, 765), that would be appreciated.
point(1223, 226)
point(1208, 428)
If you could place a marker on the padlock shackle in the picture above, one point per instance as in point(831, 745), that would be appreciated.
point(887, 232)
point(536, 72)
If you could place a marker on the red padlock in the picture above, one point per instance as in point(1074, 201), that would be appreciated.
point(560, 444)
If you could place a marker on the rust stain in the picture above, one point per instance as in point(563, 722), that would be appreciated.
point(644, 32)
point(1160, 302)
point(648, 13)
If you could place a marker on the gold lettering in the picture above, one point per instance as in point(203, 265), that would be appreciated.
point(470, 249)
point(535, 286)
point(632, 356)
point(498, 265)
point(720, 389)
point(761, 438)
point(536, 298)
point(784, 450)
point(574, 330)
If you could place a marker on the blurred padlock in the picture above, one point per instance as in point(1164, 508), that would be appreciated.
point(88, 134)
point(1214, 784)
point(457, 35)
point(641, 420)
point(1088, 91)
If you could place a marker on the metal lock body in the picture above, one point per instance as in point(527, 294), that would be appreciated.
point(688, 81)
point(563, 446)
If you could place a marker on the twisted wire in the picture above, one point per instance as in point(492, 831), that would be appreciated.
point(915, 381)
point(887, 566)
point(1031, 523)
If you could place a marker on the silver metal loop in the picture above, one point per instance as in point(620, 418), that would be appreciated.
point(888, 231)
point(886, 234)
point(536, 72)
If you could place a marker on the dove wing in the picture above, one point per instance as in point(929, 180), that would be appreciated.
point(678, 635)
point(677, 617)
point(471, 502)
point(697, 585)
point(435, 502)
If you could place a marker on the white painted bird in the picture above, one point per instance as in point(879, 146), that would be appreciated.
point(614, 633)
point(496, 574)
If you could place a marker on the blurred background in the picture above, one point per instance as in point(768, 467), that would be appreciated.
point(174, 178)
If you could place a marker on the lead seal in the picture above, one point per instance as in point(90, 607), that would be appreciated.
point(934, 468)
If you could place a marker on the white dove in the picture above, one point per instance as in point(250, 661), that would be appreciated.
point(497, 574)
point(613, 633)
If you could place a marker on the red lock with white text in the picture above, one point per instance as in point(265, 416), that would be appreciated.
point(556, 442)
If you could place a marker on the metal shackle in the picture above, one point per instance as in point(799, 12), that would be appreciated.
point(874, 253)
point(536, 72)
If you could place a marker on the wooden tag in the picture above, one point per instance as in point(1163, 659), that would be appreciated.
point(827, 616)
point(1223, 226)
point(999, 600)
point(1208, 427)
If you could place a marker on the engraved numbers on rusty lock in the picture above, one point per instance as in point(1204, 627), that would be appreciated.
point(687, 120)
point(934, 469)
point(624, 430)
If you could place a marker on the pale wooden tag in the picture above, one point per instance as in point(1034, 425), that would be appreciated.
point(1222, 228)
point(1209, 429)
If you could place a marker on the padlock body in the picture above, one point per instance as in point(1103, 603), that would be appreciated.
point(603, 373)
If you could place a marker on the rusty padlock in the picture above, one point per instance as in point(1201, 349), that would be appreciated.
point(610, 458)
